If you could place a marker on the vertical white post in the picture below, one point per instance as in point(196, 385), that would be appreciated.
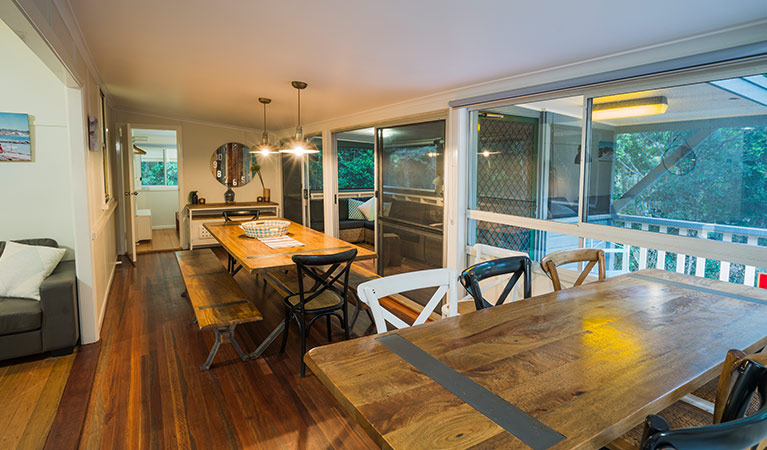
point(660, 263)
point(626, 253)
point(750, 276)
point(724, 266)
point(456, 156)
point(330, 183)
point(680, 258)
point(700, 262)
point(643, 251)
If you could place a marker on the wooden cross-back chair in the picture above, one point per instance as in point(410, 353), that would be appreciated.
point(592, 256)
point(743, 382)
point(327, 296)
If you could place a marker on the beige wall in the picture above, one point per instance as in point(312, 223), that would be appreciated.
point(163, 204)
point(198, 142)
point(36, 196)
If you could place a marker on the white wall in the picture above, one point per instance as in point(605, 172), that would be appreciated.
point(36, 196)
point(163, 204)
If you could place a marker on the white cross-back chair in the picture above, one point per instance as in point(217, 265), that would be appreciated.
point(445, 280)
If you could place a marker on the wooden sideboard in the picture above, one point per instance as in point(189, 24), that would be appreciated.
point(193, 234)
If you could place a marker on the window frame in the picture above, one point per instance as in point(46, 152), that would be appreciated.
point(719, 250)
point(160, 187)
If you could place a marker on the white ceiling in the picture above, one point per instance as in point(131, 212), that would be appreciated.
point(210, 61)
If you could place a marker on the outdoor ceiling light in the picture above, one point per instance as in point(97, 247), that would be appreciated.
point(265, 148)
point(629, 108)
point(298, 145)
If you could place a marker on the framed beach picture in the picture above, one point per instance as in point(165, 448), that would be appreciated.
point(15, 143)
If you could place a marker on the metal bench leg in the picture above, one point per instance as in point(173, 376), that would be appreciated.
point(236, 346)
point(213, 351)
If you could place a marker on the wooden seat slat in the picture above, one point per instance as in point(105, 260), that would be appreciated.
point(217, 300)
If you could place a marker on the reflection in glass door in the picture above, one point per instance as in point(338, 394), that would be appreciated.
point(302, 187)
point(356, 186)
point(316, 212)
point(410, 211)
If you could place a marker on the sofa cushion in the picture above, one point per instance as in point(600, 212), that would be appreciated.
point(24, 267)
point(18, 315)
point(350, 224)
point(43, 242)
point(354, 209)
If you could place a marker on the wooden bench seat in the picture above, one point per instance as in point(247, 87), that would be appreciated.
point(217, 300)
point(285, 283)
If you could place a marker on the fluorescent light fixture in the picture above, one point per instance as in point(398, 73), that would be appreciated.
point(629, 108)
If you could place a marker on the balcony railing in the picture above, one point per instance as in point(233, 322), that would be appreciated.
point(625, 258)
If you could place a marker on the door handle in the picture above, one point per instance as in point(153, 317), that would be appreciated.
point(127, 194)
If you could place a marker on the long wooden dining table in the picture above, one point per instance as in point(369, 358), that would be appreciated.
point(571, 369)
point(256, 257)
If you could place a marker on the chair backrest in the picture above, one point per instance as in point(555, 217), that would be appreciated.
point(515, 265)
point(315, 267)
point(593, 256)
point(741, 379)
point(254, 213)
point(445, 280)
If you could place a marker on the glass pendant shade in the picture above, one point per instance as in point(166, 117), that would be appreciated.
point(298, 145)
point(265, 148)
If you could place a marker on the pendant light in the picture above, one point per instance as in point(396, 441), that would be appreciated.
point(298, 145)
point(265, 148)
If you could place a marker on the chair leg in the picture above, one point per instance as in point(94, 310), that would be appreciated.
point(346, 323)
point(288, 315)
point(304, 332)
point(330, 335)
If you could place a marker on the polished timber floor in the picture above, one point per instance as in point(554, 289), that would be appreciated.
point(148, 391)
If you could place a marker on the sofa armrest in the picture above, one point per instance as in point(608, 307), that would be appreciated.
point(58, 301)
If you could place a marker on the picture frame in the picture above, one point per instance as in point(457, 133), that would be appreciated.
point(15, 138)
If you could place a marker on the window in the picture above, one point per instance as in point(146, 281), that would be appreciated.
point(356, 170)
point(159, 167)
point(673, 176)
point(692, 163)
point(105, 149)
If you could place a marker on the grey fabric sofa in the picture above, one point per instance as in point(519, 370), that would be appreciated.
point(52, 324)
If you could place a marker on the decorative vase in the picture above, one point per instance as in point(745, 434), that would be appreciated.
point(229, 195)
point(267, 194)
point(195, 199)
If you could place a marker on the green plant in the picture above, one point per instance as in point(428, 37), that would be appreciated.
point(255, 168)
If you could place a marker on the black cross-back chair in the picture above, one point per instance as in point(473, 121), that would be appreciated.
point(325, 298)
point(733, 430)
point(515, 265)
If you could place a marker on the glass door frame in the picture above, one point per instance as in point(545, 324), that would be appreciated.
point(377, 149)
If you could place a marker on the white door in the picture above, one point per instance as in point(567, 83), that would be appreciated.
point(130, 193)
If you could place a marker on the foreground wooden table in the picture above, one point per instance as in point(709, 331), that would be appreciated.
point(256, 257)
point(587, 363)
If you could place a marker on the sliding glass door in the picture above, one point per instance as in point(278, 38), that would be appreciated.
point(302, 187)
point(411, 185)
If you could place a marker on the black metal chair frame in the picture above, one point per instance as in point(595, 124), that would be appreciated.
point(736, 431)
point(241, 213)
point(515, 265)
point(323, 281)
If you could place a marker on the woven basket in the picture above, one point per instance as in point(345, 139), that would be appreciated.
point(265, 228)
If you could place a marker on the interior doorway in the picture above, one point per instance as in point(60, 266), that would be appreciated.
point(154, 157)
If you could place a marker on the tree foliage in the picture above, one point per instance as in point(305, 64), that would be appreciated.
point(723, 180)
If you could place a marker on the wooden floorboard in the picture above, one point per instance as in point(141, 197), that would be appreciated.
point(163, 240)
point(30, 391)
point(68, 424)
point(149, 392)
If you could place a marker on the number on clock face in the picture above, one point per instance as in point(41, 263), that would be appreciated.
point(218, 174)
point(234, 182)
